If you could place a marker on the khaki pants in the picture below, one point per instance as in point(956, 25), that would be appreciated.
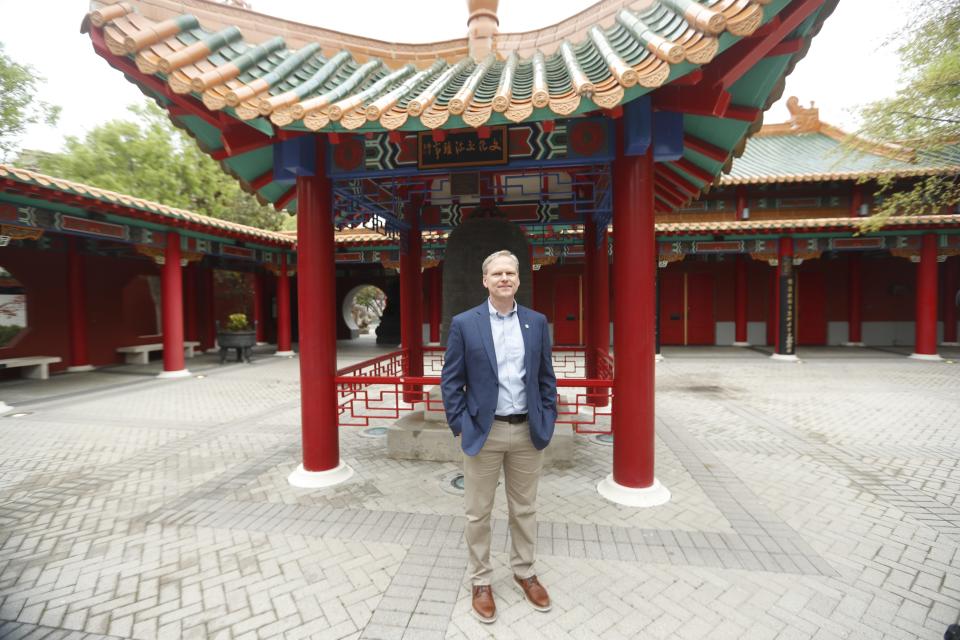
point(509, 446)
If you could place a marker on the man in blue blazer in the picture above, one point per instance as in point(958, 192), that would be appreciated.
point(500, 397)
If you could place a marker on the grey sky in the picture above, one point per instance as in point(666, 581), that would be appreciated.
point(843, 69)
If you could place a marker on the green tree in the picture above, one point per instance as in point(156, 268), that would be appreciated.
point(19, 106)
point(924, 115)
point(150, 158)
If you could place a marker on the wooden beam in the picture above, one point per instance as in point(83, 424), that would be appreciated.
point(238, 139)
point(700, 100)
point(704, 148)
point(285, 199)
point(665, 207)
point(669, 175)
point(740, 112)
point(262, 180)
point(667, 193)
point(694, 170)
point(689, 80)
point(733, 63)
point(787, 48)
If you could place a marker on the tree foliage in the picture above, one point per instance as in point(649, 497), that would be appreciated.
point(924, 115)
point(19, 106)
point(150, 158)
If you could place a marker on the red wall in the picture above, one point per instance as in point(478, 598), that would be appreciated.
point(113, 320)
point(888, 287)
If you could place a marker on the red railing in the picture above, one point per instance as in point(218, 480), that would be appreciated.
point(376, 389)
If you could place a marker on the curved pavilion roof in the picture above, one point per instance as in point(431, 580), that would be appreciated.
point(14, 179)
point(805, 149)
point(239, 81)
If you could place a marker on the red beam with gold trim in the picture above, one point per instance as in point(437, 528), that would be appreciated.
point(705, 148)
point(678, 181)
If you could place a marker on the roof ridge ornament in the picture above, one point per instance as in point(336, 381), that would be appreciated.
point(803, 119)
point(482, 26)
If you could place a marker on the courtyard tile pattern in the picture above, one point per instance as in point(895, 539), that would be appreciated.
point(814, 500)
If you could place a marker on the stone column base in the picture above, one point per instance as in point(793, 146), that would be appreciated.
point(785, 357)
point(658, 357)
point(930, 357)
point(320, 479)
point(284, 354)
point(182, 373)
point(80, 368)
point(652, 496)
point(950, 344)
point(853, 344)
point(741, 344)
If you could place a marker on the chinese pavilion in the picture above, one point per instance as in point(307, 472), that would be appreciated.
point(618, 117)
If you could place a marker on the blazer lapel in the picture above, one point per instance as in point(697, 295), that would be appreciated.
point(486, 336)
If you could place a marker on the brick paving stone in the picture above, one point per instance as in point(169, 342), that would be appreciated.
point(162, 510)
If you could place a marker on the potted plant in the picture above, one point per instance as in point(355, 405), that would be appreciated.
point(238, 334)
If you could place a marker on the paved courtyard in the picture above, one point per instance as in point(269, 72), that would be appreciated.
point(813, 500)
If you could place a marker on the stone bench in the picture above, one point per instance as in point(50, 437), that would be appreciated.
point(36, 367)
point(140, 353)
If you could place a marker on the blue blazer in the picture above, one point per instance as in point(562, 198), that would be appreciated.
point(469, 380)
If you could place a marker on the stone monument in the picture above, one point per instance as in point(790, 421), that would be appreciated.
point(424, 434)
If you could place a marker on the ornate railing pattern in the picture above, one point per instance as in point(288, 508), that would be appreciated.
point(376, 389)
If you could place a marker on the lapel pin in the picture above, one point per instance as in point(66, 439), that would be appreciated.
point(526, 326)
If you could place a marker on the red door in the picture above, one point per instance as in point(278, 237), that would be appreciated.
point(700, 323)
point(686, 308)
point(568, 310)
point(671, 307)
point(811, 309)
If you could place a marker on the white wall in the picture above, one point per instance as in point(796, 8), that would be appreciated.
point(725, 332)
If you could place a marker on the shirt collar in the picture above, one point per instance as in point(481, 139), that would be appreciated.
point(493, 310)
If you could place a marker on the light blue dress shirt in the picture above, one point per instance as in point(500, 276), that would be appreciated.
point(511, 371)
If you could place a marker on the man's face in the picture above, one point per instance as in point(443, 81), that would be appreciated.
point(501, 279)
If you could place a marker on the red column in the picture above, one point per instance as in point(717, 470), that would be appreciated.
point(598, 299)
point(77, 292)
point(950, 284)
point(740, 302)
point(190, 301)
point(316, 291)
point(785, 346)
point(634, 272)
point(411, 302)
point(210, 315)
point(925, 346)
point(590, 266)
point(436, 295)
point(283, 309)
point(741, 203)
point(258, 305)
point(172, 304)
point(854, 300)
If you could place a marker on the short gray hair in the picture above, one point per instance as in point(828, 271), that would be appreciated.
point(503, 253)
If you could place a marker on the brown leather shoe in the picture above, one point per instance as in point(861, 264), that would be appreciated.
point(484, 608)
point(536, 595)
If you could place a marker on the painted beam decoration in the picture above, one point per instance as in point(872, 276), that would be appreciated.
point(803, 247)
point(469, 148)
point(34, 221)
point(580, 141)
